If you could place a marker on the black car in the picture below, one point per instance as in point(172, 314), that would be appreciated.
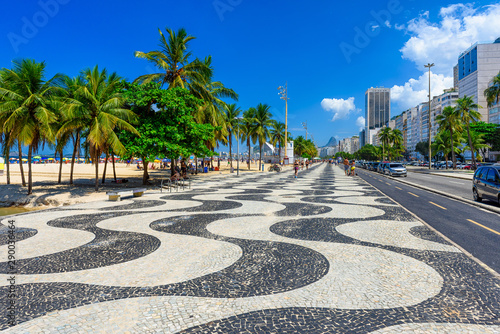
point(486, 184)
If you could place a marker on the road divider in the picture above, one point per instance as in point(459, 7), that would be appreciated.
point(439, 206)
point(485, 227)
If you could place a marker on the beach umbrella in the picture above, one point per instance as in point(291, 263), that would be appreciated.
point(37, 157)
point(166, 160)
point(24, 159)
point(51, 159)
point(13, 159)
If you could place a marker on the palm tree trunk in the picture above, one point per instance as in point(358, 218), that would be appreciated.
point(446, 160)
point(260, 157)
point(77, 139)
point(230, 151)
point(453, 157)
point(23, 181)
point(60, 166)
point(145, 175)
point(30, 179)
point(105, 166)
point(471, 148)
point(7, 161)
point(113, 162)
point(248, 162)
point(96, 161)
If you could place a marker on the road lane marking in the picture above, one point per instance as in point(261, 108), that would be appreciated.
point(398, 188)
point(413, 194)
point(456, 182)
point(439, 206)
point(489, 229)
point(388, 184)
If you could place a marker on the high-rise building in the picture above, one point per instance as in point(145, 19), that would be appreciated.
point(476, 67)
point(438, 103)
point(377, 109)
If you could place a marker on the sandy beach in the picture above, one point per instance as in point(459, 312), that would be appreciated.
point(47, 192)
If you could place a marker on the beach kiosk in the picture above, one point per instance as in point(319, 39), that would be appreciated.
point(2, 165)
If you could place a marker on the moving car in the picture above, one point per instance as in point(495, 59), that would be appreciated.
point(486, 184)
point(395, 169)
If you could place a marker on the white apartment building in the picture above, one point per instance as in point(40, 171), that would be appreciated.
point(476, 67)
point(438, 103)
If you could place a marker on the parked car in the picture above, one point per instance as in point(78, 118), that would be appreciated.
point(381, 167)
point(374, 166)
point(486, 184)
point(395, 169)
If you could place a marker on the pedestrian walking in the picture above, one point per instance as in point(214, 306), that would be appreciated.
point(346, 167)
point(296, 167)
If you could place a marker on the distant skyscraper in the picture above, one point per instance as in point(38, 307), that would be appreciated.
point(377, 109)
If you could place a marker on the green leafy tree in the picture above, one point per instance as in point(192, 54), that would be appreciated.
point(467, 111)
point(169, 129)
point(478, 144)
point(490, 132)
point(422, 147)
point(231, 121)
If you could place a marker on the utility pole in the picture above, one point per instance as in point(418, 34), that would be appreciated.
point(304, 124)
point(283, 92)
point(429, 65)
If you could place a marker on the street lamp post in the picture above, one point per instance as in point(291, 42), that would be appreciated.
point(284, 96)
point(304, 124)
point(429, 65)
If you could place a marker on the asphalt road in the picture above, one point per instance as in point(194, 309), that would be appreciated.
point(458, 187)
point(474, 229)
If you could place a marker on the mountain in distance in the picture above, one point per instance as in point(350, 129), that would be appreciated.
point(331, 143)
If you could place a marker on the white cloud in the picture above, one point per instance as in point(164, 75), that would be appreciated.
point(340, 108)
point(361, 122)
point(415, 91)
point(459, 27)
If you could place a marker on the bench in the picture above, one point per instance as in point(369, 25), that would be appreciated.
point(116, 195)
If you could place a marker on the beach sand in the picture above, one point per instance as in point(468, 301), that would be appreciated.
point(46, 191)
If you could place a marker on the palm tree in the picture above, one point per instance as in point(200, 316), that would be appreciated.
point(231, 119)
point(449, 121)
point(247, 126)
point(299, 146)
point(277, 135)
point(173, 60)
point(262, 119)
point(441, 143)
point(103, 113)
point(77, 116)
point(396, 138)
point(467, 112)
point(384, 135)
point(492, 93)
point(478, 144)
point(28, 96)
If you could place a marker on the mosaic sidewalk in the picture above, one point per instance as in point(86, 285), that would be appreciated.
point(262, 253)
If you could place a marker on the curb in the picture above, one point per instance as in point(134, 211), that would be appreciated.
point(444, 175)
point(458, 198)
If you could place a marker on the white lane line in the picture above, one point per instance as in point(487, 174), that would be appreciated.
point(456, 182)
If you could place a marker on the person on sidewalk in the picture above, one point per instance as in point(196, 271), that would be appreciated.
point(296, 167)
point(346, 167)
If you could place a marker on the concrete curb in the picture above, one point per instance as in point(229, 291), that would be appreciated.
point(444, 175)
point(458, 198)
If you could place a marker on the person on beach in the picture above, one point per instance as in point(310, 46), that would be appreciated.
point(307, 164)
point(296, 167)
point(346, 166)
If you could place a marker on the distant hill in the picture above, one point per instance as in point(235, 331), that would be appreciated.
point(331, 143)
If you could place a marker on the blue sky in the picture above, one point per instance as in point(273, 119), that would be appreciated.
point(258, 45)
